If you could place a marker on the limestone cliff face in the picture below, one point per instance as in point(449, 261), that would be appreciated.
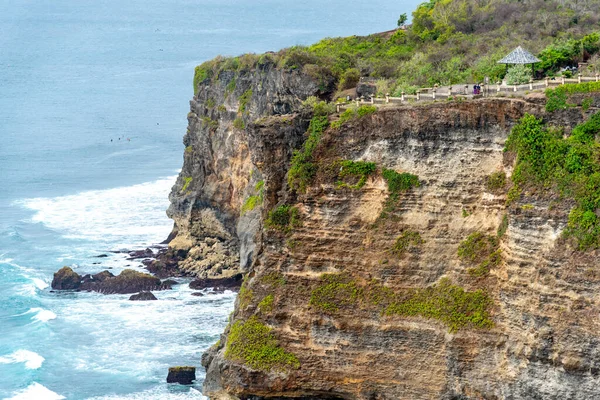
point(330, 307)
point(543, 295)
point(220, 166)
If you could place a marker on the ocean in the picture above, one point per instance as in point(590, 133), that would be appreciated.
point(93, 105)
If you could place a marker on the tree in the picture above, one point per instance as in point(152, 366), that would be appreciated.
point(402, 20)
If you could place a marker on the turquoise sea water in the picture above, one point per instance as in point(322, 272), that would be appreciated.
point(93, 104)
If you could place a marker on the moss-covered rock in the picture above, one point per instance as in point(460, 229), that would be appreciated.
point(66, 279)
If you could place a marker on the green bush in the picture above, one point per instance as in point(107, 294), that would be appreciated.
point(503, 227)
point(302, 168)
point(244, 99)
point(399, 182)
point(518, 75)
point(356, 170)
point(239, 123)
point(557, 98)
point(353, 113)
point(319, 108)
point(349, 79)
point(568, 166)
point(496, 181)
point(253, 343)
point(407, 240)
point(283, 218)
point(201, 73)
point(477, 247)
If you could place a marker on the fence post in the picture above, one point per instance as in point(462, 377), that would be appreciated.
point(418, 94)
point(515, 88)
point(337, 106)
point(562, 80)
point(547, 81)
point(373, 99)
point(579, 78)
point(499, 86)
point(597, 76)
point(433, 93)
point(387, 97)
point(402, 96)
point(466, 89)
point(530, 83)
point(450, 91)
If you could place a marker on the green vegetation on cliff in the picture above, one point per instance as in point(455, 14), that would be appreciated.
point(449, 41)
point(283, 218)
point(303, 168)
point(443, 301)
point(480, 250)
point(357, 171)
point(569, 167)
point(252, 343)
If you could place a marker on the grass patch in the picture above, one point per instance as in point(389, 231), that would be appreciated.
point(189, 149)
point(353, 113)
point(336, 291)
point(405, 242)
point(266, 304)
point(210, 123)
point(244, 100)
point(480, 250)
point(253, 343)
point(274, 279)
point(302, 168)
point(496, 181)
point(201, 73)
point(357, 171)
point(447, 303)
point(187, 180)
point(239, 123)
point(397, 184)
point(283, 218)
point(253, 201)
point(503, 226)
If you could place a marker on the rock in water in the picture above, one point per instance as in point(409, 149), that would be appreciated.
point(182, 375)
point(143, 296)
point(66, 279)
point(128, 281)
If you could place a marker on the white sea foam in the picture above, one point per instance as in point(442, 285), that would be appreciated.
point(41, 315)
point(157, 393)
point(35, 391)
point(40, 284)
point(31, 359)
point(120, 216)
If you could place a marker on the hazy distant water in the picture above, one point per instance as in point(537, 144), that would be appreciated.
point(73, 76)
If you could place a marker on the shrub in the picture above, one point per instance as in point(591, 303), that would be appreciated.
point(302, 168)
point(503, 227)
point(358, 170)
point(244, 99)
point(406, 241)
point(253, 343)
point(496, 181)
point(353, 113)
point(518, 75)
point(399, 182)
point(319, 108)
point(201, 73)
point(283, 218)
point(349, 79)
point(477, 247)
point(239, 123)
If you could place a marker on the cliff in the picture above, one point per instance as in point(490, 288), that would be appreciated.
point(388, 257)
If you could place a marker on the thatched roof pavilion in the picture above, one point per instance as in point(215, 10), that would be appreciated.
point(519, 56)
